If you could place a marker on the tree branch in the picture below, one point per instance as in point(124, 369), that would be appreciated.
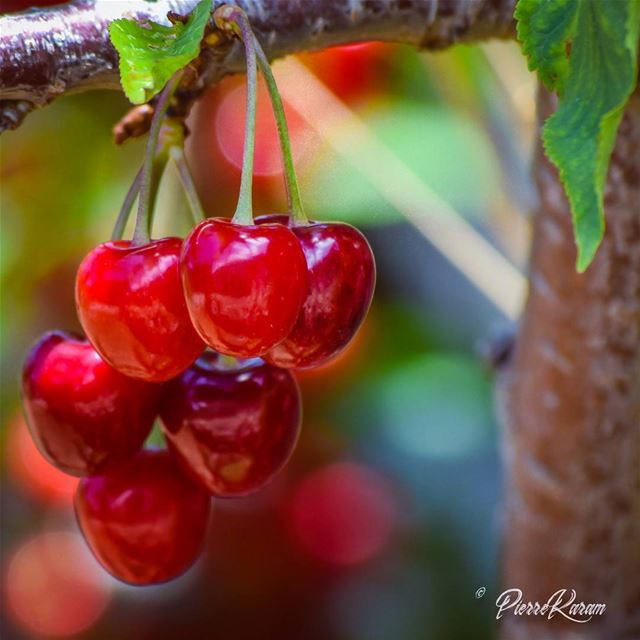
point(48, 52)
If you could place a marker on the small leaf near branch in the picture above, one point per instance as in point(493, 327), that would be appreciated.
point(586, 51)
point(151, 53)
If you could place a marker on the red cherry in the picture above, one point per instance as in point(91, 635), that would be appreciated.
point(82, 414)
point(233, 428)
point(244, 284)
point(132, 308)
point(342, 277)
point(144, 520)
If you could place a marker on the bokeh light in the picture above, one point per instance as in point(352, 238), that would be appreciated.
point(53, 587)
point(343, 513)
point(353, 72)
point(229, 133)
point(32, 472)
point(436, 407)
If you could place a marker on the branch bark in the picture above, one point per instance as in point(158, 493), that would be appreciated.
point(572, 419)
point(46, 53)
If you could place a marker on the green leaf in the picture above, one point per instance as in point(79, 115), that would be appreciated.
point(151, 53)
point(544, 32)
point(587, 51)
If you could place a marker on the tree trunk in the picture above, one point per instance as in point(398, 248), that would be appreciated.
point(572, 412)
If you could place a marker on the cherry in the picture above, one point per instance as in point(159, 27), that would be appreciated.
point(244, 284)
point(144, 520)
point(341, 276)
point(132, 308)
point(82, 414)
point(233, 428)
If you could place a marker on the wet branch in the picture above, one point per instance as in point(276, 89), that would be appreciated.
point(48, 52)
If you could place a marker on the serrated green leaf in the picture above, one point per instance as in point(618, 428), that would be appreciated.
point(151, 53)
point(587, 51)
point(544, 29)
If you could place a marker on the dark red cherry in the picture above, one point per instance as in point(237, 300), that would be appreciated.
point(244, 284)
point(83, 415)
point(132, 308)
point(233, 428)
point(144, 520)
point(342, 277)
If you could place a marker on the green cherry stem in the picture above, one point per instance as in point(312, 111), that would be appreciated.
point(231, 18)
point(127, 205)
point(294, 200)
point(152, 166)
point(177, 155)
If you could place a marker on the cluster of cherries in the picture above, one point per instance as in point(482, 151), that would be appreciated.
point(203, 334)
point(265, 298)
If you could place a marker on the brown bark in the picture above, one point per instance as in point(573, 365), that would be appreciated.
point(572, 419)
point(46, 53)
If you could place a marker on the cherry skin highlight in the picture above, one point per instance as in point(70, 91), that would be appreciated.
point(341, 277)
point(144, 520)
point(232, 428)
point(132, 308)
point(244, 284)
point(83, 415)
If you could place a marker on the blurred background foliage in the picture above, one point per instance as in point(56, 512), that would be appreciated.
point(384, 524)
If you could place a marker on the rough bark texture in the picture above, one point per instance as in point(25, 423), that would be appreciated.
point(52, 51)
point(572, 420)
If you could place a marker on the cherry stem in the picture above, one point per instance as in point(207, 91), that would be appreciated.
point(153, 165)
point(127, 205)
point(177, 154)
point(231, 18)
point(291, 181)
